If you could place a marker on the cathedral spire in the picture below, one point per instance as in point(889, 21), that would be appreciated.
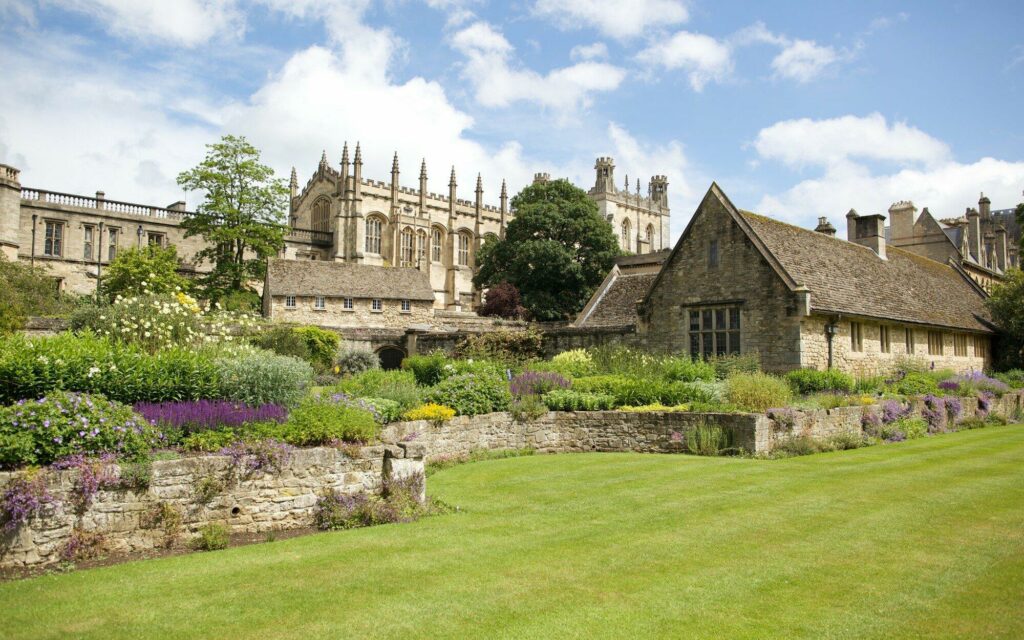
point(359, 156)
point(294, 182)
point(451, 181)
point(323, 159)
point(344, 154)
point(394, 163)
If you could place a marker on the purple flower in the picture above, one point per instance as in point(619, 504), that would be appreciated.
point(893, 410)
point(934, 412)
point(201, 415)
point(537, 383)
point(22, 499)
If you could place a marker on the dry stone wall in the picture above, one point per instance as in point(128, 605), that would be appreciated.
point(185, 494)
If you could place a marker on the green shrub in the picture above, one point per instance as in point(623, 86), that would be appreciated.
point(241, 300)
point(428, 369)
point(322, 344)
point(870, 385)
point(797, 446)
point(757, 392)
point(653, 408)
point(576, 363)
point(284, 341)
point(709, 440)
point(912, 427)
point(727, 365)
point(471, 394)
point(683, 369)
point(569, 400)
point(387, 410)
point(152, 322)
point(528, 408)
point(639, 391)
point(27, 291)
point(37, 432)
point(262, 377)
point(917, 384)
point(212, 537)
point(212, 441)
point(399, 386)
point(1013, 378)
point(515, 347)
point(627, 361)
point(352, 361)
point(807, 381)
point(152, 269)
point(320, 421)
point(904, 365)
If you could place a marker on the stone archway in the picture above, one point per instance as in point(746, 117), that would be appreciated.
point(390, 357)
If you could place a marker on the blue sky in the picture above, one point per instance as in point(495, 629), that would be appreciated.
point(796, 109)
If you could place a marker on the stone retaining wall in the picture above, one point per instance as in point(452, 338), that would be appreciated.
point(132, 522)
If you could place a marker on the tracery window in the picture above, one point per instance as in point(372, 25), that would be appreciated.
point(406, 248)
point(373, 235)
point(322, 215)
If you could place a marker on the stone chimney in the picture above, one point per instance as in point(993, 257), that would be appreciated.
point(985, 207)
point(177, 206)
point(1001, 248)
point(974, 235)
point(868, 231)
point(901, 221)
point(824, 226)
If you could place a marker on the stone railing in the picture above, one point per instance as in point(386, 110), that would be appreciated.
point(8, 172)
point(311, 236)
point(114, 206)
point(186, 494)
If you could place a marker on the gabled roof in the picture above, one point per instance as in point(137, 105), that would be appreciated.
point(614, 302)
point(344, 280)
point(850, 279)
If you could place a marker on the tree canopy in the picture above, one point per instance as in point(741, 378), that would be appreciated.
point(151, 269)
point(242, 215)
point(27, 291)
point(1007, 307)
point(556, 250)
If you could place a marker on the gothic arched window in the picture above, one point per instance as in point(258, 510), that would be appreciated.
point(435, 245)
point(650, 236)
point(464, 249)
point(322, 215)
point(421, 247)
point(373, 235)
point(406, 255)
point(625, 235)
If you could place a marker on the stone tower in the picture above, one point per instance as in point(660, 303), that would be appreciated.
point(605, 169)
point(10, 211)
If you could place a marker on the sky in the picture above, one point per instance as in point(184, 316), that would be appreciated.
point(796, 109)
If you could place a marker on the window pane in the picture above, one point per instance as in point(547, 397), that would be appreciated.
point(734, 319)
point(694, 321)
point(694, 345)
point(734, 342)
point(706, 317)
point(719, 318)
point(720, 345)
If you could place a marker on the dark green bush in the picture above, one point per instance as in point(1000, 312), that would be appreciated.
point(471, 394)
point(428, 369)
point(504, 346)
point(283, 340)
point(27, 291)
point(322, 345)
point(1013, 378)
point(399, 386)
point(807, 381)
point(917, 384)
point(37, 432)
point(568, 400)
point(212, 537)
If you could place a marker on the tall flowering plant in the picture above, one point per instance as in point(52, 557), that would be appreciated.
point(203, 415)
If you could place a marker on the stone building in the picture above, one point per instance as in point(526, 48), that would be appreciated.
point(984, 243)
point(613, 303)
point(338, 294)
point(738, 282)
point(338, 216)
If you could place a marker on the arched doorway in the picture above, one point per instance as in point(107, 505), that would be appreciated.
point(390, 357)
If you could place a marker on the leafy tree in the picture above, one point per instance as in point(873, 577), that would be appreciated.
point(152, 269)
point(555, 251)
point(27, 291)
point(503, 300)
point(241, 216)
point(1007, 307)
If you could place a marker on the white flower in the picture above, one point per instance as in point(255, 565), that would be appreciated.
point(93, 371)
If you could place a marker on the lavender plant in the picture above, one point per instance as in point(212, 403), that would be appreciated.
point(265, 456)
point(537, 383)
point(24, 498)
point(191, 416)
point(893, 410)
point(934, 413)
point(94, 474)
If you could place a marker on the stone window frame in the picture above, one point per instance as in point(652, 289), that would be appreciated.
point(935, 346)
point(463, 249)
point(406, 247)
point(53, 238)
point(884, 338)
point(319, 303)
point(156, 237)
point(88, 242)
point(436, 244)
point(856, 337)
point(377, 305)
point(347, 304)
point(714, 259)
point(406, 306)
point(320, 216)
point(715, 330)
point(421, 247)
point(626, 231)
point(290, 302)
point(374, 227)
point(113, 236)
point(908, 340)
point(980, 346)
point(650, 236)
point(960, 345)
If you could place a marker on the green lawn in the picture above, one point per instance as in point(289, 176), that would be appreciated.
point(923, 539)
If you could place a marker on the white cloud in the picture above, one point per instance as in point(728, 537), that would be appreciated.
point(925, 171)
point(836, 140)
point(595, 51)
point(186, 23)
point(489, 68)
point(614, 18)
point(703, 58)
point(458, 10)
point(803, 60)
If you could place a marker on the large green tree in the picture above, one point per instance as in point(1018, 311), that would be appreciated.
point(27, 291)
point(242, 215)
point(1007, 307)
point(555, 251)
point(151, 269)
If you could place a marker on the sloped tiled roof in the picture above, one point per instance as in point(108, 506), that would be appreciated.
point(616, 302)
point(340, 279)
point(848, 278)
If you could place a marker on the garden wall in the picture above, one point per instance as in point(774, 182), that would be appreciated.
point(172, 508)
point(567, 431)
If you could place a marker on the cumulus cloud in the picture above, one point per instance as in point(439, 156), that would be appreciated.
point(834, 140)
point(489, 67)
point(848, 150)
point(613, 18)
point(803, 60)
point(186, 23)
point(703, 58)
point(595, 51)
